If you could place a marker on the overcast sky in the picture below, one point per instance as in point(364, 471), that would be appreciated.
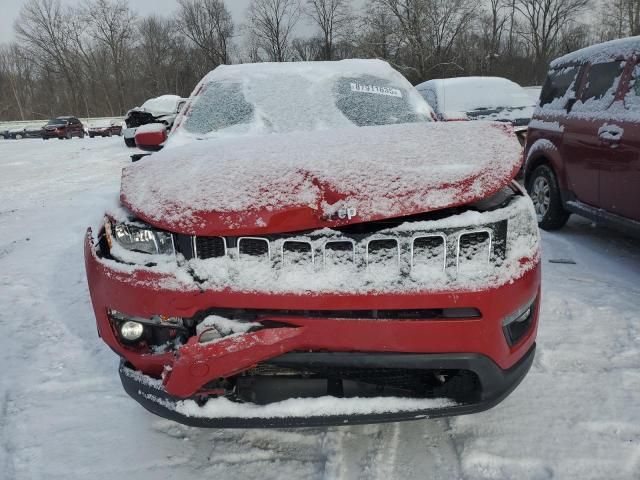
point(9, 10)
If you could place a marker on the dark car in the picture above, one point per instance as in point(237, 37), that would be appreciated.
point(63, 127)
point(105, 129)
point(163, 109)
point(307, 250)
point(583, 145)
point(29, 131)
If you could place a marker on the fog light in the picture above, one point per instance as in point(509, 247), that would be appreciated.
point(131, 331)
point(516, 325)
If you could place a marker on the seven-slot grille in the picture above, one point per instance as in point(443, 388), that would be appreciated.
point(466, 250)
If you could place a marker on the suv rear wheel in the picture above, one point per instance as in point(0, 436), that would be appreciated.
point(545, 194)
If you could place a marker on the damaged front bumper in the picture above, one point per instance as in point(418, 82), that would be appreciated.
point(495, 382)
point(456, 334)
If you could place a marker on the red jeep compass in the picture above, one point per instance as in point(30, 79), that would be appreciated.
point(309, 248)
point(583, 144)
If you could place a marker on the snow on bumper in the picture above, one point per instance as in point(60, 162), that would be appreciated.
point(143, 292)
point(323, 411)
point(444, 314)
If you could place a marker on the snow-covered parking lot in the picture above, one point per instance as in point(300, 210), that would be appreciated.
point(63, 413)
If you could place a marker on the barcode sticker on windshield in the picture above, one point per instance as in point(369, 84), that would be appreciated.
point(359, 87)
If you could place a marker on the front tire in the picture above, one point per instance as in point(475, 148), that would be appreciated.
point(545, 194)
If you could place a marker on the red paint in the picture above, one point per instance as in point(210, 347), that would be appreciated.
point(151, 140)
point(309, 217)
point(137, 294)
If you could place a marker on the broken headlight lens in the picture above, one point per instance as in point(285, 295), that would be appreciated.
point(138, 238)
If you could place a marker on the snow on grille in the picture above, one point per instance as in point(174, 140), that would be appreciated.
point(470, 250)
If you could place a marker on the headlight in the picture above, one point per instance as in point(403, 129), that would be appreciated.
point(138, 238)
point(131, 331)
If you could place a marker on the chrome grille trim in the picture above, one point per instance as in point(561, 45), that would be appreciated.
point(434, 235)
point(470, 232)
point(404, 250)
point(371, 240)
point(265, 240)
point(338, 240)
point(194, 244)
point(291, 240)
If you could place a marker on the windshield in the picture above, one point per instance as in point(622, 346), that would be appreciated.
point(56, 121)
point(290, 102)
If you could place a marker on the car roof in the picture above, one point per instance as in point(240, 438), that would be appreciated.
point(307, 69)
point(462, 81)
point(601, 52)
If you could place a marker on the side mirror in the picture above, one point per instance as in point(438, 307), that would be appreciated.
point(151, 137)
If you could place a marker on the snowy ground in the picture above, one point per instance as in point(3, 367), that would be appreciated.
point(63, 413)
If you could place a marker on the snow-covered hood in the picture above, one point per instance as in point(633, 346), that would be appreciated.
point(253, 185)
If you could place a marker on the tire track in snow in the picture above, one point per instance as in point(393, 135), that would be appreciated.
point(6, 459)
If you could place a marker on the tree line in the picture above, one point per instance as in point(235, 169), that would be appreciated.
point(101, 58)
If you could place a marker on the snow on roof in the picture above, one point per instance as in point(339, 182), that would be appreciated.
point(314, 71)
point(465, 94)
point(381, 171)
point(601, 52)
point(162, 104)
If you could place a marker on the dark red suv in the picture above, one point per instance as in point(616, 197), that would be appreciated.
point(583, 144)
point(63, 127)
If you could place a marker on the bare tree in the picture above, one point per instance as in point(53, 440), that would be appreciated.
point(619, 18)
point(430, 29)
point(99, 59)
point(307, 49)
point(271, 23)
point(633, 16)
point(380, 33)
point(44, 27)
point(492, 27)
point(16, 69)
point(208, 24)
point(544, 20)
point(112, 25)
point(334, 18)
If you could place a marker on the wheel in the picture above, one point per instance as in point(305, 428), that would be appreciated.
point(91, 135)
point(545, 194)
point(18, 137)
point(130, 142)
point(68, 136)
